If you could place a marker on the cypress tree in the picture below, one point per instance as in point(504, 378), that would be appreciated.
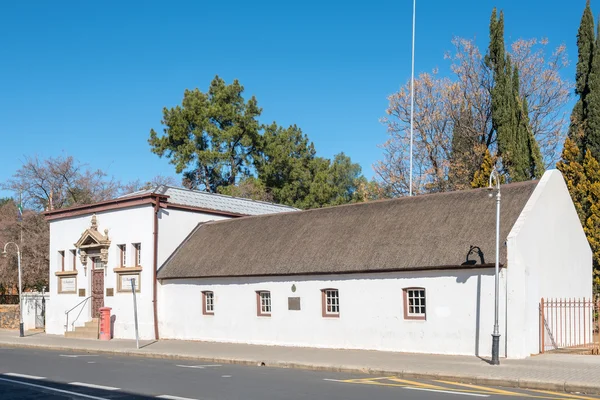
point(466, 154)
point(585, 50)
point(527, 157)
point(520, 151)
point(591, 127)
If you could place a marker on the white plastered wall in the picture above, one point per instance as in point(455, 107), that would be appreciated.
point(459, 311)
point(548, 256)
point(174, 226)
point(125, 226)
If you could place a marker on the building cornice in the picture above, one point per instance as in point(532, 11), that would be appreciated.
point(114, 204)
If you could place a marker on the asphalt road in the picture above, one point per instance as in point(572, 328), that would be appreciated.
point(40, 374)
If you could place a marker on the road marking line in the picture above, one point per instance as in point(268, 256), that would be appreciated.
point(166, 396)
point(563, 395)
point(420, 386)
point(23, 376)
point(432, 388)
point(78, 355)
point(447, 392)
point(198, 366)
point(367, 380)
point(417, 384)
point(483, 388)
point(91, 362)
point(225, 376)
point(91, 385)
point(53, 389)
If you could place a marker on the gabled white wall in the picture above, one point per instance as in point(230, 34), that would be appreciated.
point(125, 226)
point(174, 226)
point(548, 256)
point(459, 311)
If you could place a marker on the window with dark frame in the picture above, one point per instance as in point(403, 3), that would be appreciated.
point(122, 255)
point(208, 303)
point(263, 303)
point(414, 303)
point(138, 254)
point(330, 302)
point(61, 259)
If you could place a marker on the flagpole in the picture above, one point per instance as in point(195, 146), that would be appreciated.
point(21, 208)
point(412, 100)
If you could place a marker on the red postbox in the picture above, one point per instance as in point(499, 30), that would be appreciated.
point(105, 323)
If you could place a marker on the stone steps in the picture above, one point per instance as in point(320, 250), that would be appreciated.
point(88, 331)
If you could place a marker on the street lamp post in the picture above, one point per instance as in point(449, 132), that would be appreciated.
point(496, 334)
point(21, 333)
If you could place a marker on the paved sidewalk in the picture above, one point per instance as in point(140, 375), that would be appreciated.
point(557, 372)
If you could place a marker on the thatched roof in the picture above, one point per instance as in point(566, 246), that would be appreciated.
point(432, 231)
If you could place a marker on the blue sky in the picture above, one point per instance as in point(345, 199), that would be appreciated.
point(90, 78)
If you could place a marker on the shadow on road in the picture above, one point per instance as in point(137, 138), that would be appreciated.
point(17, 388)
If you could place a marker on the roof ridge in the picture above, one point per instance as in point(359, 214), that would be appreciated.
point(202, 192)
point(365, 203)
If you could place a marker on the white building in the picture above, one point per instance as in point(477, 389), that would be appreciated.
point(413, 274)
point(95, 250)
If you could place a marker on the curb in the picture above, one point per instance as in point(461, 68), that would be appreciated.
point(555, 386)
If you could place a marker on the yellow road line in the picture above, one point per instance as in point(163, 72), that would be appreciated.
point(484, 389)
point(417, 384)
point(404, 383)
point(564, 395)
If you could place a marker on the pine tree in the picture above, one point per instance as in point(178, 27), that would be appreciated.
point(592, 225)
point(482, 176)
point(575, 178)
point(579, 163)
point(585, 47)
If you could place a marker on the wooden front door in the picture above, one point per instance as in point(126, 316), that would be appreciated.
point(97, 288)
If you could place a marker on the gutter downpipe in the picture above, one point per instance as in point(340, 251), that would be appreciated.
point(155, 266)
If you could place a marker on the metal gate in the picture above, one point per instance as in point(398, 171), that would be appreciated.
point(40, 313)
point(568, 324)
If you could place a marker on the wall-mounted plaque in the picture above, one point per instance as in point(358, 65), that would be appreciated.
point(124, 282)
point(109, 292)
point(67, 284)
point(81, 292)
point(294, 303)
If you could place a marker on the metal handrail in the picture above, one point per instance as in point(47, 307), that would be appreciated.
point(67, 312)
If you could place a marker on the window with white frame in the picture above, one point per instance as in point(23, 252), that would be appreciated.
point(414, 303)
point(208, 303)
point(330, 302)
point(73, 260)
point(263, 303)
point(138, 254)
point(122, 255)
point(61, 259)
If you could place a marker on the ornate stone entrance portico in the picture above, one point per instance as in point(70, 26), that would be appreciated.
point(93, 245)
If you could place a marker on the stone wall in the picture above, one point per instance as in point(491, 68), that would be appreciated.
point(9, 317)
